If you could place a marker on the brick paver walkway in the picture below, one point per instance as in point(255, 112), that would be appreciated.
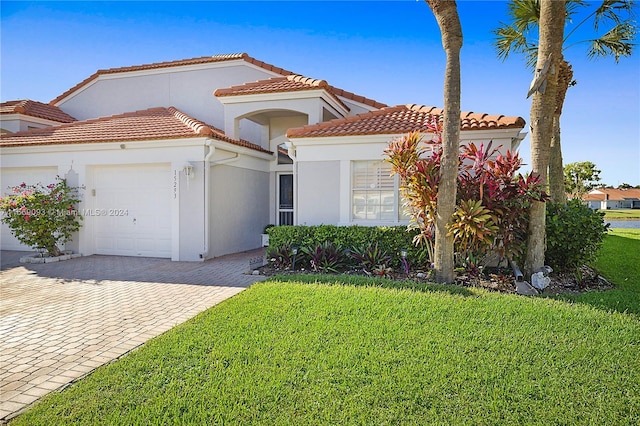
point(60, 321)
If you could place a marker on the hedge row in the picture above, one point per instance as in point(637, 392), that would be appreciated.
point(391, 239)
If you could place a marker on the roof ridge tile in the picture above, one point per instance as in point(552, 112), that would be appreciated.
point(401, 119)
point(35, 109)
point(197, 126)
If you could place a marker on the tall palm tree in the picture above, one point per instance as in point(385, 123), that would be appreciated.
point(518, 36)
point(551, 25)
point(446, 13)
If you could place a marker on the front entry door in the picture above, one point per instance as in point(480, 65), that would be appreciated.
point(285, 199)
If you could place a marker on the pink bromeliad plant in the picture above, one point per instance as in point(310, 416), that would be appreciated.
point(493, 200)
point(42, 217)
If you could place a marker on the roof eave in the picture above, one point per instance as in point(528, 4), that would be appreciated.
point(98, 145)
point(245, 150)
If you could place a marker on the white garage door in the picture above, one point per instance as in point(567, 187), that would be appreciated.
point(13, 177)
point(132, 211)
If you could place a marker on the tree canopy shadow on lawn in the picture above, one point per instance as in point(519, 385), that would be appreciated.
point(361, 281)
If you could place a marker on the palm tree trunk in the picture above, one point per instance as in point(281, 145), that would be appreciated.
point(557, 191)
point(556, 171)
point(552, 17)
point(446, 14)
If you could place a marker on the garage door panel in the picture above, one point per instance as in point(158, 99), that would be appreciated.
point(126, 244)
point(136, 200)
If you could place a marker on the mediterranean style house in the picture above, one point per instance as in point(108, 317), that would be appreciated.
point(191, 159)
point(611, 198)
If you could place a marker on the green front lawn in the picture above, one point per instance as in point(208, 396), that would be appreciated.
point(372, 352)
point(632, 214)
point(619, 262)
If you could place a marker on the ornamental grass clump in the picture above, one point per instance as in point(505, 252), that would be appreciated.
point(42, 217)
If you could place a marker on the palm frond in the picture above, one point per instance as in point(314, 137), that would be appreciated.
point(525, 14)
point(509, 40)
point(611, 10)
point(616, 42)
point(572, 7)
point(531, 56)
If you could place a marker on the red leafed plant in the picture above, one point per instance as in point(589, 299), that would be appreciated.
point(419, 178)
point(492, 199)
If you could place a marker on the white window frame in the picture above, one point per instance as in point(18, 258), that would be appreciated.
point(397, 213)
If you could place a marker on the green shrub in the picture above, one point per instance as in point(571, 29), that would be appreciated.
point(390, 239)
point(574, 234)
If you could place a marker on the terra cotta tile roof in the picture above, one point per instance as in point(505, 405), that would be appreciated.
point(290, 83)
point(401, 119)
point(35, 109)
point(149, 124)
point(205, 60)
point(613, 194)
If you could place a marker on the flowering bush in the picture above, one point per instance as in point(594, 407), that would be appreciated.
point(42, 217)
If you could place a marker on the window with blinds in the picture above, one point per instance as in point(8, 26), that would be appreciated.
point(374, 192)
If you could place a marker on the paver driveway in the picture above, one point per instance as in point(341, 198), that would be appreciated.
point(60, 321)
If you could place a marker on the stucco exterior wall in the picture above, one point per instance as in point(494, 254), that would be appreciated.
point(13, 123)
point(239, 209)
point(318, 189)
point(278, 127)
point(192, 219)
point(189, 89)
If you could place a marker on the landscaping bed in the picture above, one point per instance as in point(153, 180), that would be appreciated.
point(495, 279)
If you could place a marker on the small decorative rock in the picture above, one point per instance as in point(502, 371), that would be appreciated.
point(539, 281)
point(525, 289)
point(546, 269)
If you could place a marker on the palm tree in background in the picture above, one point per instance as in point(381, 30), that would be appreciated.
point(616, 40)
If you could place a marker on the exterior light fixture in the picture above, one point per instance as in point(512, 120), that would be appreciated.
point(405, 263)
point(188, 170)
point(294, 250)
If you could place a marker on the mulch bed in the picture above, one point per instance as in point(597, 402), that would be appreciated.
point(502, 280)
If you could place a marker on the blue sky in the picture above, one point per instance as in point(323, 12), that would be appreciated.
point(386, 50)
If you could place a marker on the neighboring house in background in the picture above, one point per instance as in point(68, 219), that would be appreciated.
point(191, 159)
point(611, 198)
